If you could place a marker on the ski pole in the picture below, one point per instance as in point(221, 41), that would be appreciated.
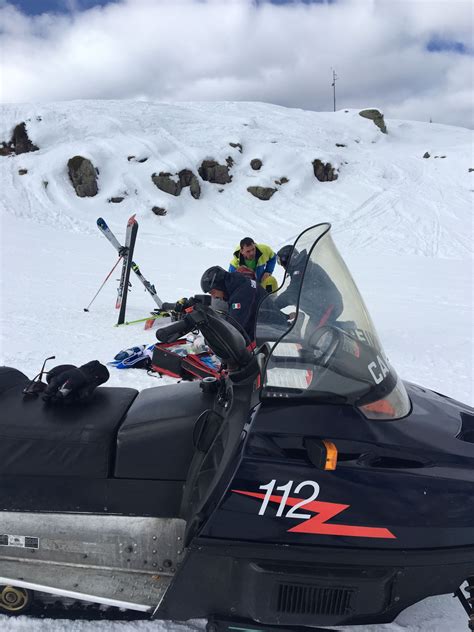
point(86, 309)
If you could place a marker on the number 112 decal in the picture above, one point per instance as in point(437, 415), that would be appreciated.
point(316, 512)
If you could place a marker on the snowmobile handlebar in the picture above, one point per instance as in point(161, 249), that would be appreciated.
point(176, 330)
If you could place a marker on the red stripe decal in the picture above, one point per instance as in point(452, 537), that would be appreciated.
point(324, 511)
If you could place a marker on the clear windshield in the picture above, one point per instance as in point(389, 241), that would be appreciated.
point(321, 340)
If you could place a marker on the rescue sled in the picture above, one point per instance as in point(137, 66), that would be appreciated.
point(309, 486)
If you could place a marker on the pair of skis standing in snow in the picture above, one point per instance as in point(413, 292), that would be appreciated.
point(126, 254)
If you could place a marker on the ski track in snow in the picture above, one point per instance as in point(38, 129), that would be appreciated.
point(403, 224)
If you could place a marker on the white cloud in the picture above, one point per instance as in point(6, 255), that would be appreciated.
point(236, 50)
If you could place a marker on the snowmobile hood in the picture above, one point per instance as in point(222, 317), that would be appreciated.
point(329, 350)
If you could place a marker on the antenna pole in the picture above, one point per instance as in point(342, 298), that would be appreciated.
point(333, 84)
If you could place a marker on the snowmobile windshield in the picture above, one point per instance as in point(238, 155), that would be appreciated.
point(319, 336)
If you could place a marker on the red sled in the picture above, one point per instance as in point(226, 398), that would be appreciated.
point(167, 361)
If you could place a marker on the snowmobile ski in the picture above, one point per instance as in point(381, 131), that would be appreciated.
point(105, 230)
point(127, 254)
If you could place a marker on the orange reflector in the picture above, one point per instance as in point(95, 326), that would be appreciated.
point(382, 406)
point(331, 455)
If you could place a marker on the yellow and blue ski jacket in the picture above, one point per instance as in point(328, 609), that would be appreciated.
point(265, 260)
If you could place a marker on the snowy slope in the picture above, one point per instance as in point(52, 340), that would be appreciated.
point(403, 223)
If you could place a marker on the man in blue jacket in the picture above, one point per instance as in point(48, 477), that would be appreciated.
point(242, 294)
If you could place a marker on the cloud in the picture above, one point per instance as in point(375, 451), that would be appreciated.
point(243, 50)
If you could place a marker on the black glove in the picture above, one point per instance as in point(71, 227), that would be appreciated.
point(72, 384)
point(182, 305)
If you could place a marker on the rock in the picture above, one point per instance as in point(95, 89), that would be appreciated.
point(22, 172)
point(442, 156)
point(212, 171)
point(283, 180)
point(19, 143)
point(262, 193)
point(141, 160)
point(229, 161)
point(256, 164)
point(471, 169)
point(324, 172)
point(188, 179)
point(83, 176)
point(20, 140)
point(45, 184)
point(426, 155)
point(236, 146)
point(165, 183)
point(116, 200)
point(340, 145)
point(130, 158)
point(376, 117)
point(158, 210)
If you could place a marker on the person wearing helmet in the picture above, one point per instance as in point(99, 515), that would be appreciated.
point(258, 258)
point(321, 300)
point(242, 294)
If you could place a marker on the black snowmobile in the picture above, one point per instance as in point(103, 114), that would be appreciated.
point(309, 486)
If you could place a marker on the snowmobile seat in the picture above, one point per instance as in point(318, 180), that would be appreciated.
point(41, 439)
point(155, 440)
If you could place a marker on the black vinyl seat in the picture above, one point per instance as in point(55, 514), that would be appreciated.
point(40, 439)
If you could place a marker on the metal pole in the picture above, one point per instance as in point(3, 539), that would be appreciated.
point(86, 309)
point(334, 77)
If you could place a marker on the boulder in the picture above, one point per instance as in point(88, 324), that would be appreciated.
point(282, 180)
point(165, 182)
point(116, 200)
point(426, 155)
point(212, 171)
point(262, 193)
point(256, 164)
point(376, 117)
point(236, 146)
point(188, 179)
point(19, 143)
point(158, 210)
point(324, 172)
point(22, 172)
point(83, 176)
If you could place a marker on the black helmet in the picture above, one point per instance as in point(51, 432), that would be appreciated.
point(284, 255)
point(213, 278)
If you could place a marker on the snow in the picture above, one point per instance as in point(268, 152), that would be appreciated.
point(403, 223)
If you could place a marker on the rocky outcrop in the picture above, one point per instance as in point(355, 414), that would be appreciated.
point(164, 181)
point(158, 210)
point(376, 117)
point(188, 179)
point(256, 164)
point(262, 193)
point(169, 184)
point(83, 176)
point(19, 143)
point(324, 172)
point(212, 171)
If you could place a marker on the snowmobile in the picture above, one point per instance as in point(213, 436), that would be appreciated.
point(307, 486)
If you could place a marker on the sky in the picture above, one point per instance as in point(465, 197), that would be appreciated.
point(413, 59)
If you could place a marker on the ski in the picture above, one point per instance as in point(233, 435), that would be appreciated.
point(127, 254)
point(105, 230)
point(145, 320)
